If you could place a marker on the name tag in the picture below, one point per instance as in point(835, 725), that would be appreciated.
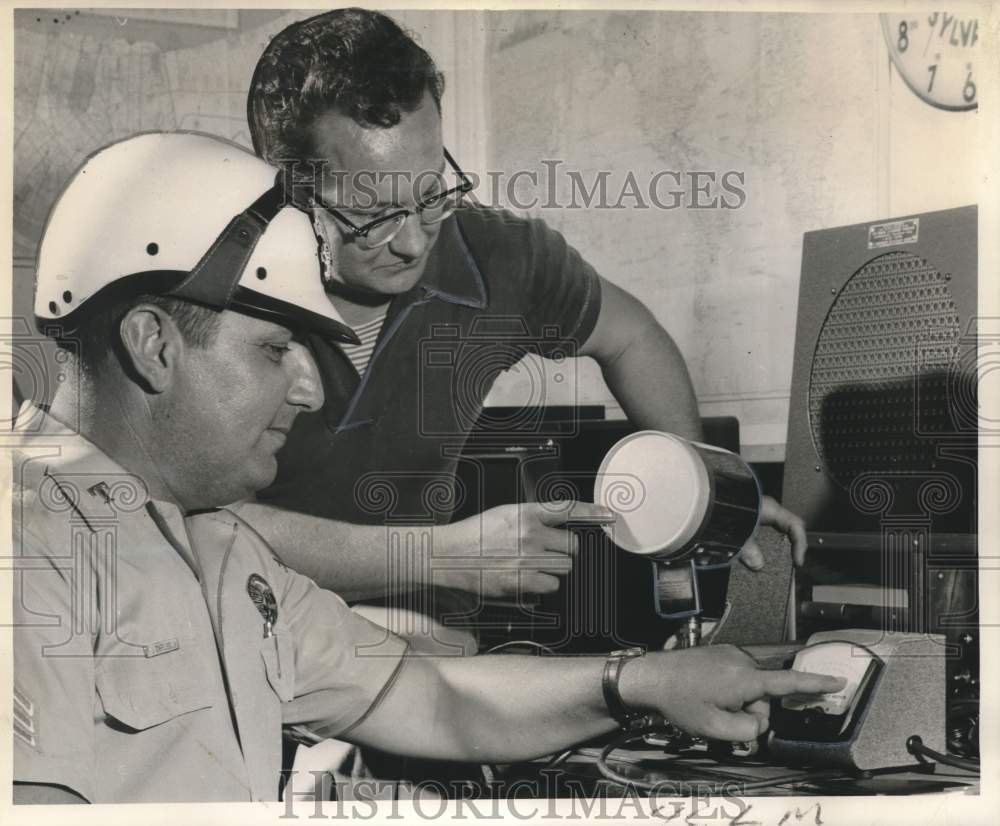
point(162, 647)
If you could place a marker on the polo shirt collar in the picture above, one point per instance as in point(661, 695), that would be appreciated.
point(452, 274)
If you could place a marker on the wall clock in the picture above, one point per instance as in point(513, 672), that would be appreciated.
point(935, 53)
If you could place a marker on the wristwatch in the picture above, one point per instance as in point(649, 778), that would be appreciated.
point(629, 719)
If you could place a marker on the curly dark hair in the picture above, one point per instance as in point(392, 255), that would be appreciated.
point(357, 62)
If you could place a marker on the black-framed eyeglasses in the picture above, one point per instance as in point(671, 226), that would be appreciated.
point(430, 210)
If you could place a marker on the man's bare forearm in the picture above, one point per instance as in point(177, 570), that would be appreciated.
point(489, 708)
point(520, 708)
point(502, 552)
point(353, 560)
point(508, 708)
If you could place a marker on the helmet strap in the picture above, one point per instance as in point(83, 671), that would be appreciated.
point(214, 279)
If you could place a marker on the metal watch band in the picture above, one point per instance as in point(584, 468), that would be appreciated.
point(628, 719)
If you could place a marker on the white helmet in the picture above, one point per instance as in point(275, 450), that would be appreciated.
point(187, 215)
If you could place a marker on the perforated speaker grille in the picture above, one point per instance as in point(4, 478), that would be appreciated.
point(894, 323)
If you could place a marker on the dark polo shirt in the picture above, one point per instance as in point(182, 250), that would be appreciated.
point(384, 447)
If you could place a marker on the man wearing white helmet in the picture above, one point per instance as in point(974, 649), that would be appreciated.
point(159, 646)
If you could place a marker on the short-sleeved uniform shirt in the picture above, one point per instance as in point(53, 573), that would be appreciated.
point(384, 446)
point(143, 669)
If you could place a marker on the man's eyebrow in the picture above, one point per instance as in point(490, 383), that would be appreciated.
point(437, 177)
point(278, 334)
point(380, 206)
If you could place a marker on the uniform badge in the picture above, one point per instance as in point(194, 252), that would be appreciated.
point(263, 598)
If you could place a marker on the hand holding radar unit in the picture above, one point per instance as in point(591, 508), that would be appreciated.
point(678, 500)
point(688, 506)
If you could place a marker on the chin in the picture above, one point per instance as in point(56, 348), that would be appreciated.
point(263, 476)
point(398, 287)
point(388, 282)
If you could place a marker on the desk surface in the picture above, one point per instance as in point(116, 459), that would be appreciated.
point(579, 773)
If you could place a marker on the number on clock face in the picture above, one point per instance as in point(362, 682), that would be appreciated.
point(935, 53)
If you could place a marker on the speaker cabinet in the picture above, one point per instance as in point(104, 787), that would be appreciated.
point(884, 416)
point(881, 456)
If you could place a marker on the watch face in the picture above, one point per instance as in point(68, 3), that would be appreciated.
point(935, 53)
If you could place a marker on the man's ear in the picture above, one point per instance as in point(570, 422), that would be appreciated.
point(152, 345)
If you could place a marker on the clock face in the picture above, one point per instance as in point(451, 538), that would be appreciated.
point(935, 53)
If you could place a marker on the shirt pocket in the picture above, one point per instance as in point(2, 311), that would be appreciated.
point(278, 653)
point(144, 692)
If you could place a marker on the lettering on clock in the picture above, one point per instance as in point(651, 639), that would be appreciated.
point(953, 30)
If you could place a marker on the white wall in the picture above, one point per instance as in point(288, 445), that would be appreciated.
point(805, 105)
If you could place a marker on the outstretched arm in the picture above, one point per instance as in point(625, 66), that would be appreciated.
point(492, 553)
point(508, 708)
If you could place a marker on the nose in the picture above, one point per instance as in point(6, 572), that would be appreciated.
point(306, 388)
point(412, 239)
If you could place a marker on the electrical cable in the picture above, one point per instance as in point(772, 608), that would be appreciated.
point(963, 728)
point(544, 649)
point(860, 645)
point(684, 787)
point(916, 747)
point(560, 758)
point(719, 624)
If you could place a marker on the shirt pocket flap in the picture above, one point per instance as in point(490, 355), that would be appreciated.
point(278, 654)
point(141, 696)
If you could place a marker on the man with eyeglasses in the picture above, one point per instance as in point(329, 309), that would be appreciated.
point(350, 105)
point(158, 645)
